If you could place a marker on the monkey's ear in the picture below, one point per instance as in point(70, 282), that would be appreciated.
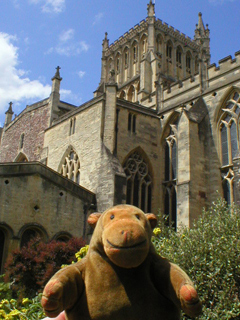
point(152, 219)
point(93, 219)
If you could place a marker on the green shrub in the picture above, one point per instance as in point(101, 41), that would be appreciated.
point(5, 291)
point(29, 268)
point(209, 253)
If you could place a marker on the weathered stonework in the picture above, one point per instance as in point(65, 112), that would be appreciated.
point(54, 205)
point(153, 136)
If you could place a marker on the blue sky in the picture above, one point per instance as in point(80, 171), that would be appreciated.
point(38, 35)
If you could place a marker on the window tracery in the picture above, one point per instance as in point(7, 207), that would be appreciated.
point(229, 142)
point(139, 182)
point(71, 167)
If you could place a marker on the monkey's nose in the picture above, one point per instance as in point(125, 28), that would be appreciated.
point(125, 235)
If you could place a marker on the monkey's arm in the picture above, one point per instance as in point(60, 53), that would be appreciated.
point(63, 290)
point(175, 284)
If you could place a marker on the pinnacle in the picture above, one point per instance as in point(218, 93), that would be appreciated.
point(10, 108)
point(57, 74)
point(151, 9)
point(200, 22)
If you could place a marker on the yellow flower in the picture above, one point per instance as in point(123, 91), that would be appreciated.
point(82, 252)
point(24, 310)
point(14, 312)
point(4, 301)
point(157, 231)
point(25, 301)
point(2, 314)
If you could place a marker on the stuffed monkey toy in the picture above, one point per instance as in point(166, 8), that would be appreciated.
point(121, 277)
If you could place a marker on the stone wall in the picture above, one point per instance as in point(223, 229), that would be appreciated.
point(97, 169)
point(33, 196)
point(31, 122)
point(146, 140)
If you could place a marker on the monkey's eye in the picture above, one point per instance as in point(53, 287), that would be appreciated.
point(112, 217)
point(138, 216)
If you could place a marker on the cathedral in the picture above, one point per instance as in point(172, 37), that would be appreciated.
point(161, 132)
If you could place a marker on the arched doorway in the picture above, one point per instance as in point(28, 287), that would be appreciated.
point(31, 232)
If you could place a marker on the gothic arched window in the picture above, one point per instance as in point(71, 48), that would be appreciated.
point(139, 182)
point(229, 143)
point(159, 44)
point(21, 141)
point(126, 59)
point(135, 52)
point(196, 65)
point(169, 58)
point(118, 65)
point(143, 45)
point(72, 126)
point(122, 95)
point(110, 66)
point(71, 167)
point(131, 94)
point(170, 175)
point(179, 57)
point(169, 52)
point(131, 122)
point(188, 63)
point(134, 58)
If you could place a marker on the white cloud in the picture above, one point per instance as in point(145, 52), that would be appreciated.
point(69, 49)
point(15, 86)
point(50, 6)
point(65, 94)
point(81, 74)
point(97, 18)
point(66, 35)
point(72, 49)
point(67, 46)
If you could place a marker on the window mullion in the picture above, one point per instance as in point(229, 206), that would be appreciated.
point(229, 144)
point(170, 161)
